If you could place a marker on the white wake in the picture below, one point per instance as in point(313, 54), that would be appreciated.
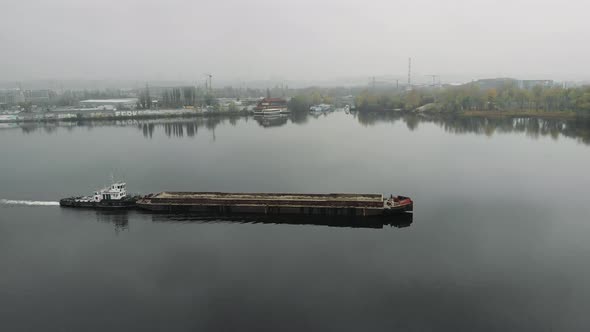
point(30, 203)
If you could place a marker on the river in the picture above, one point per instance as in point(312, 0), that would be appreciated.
point(498, 240)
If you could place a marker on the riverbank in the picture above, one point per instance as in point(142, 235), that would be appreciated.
point(432, 110)
point(110, 115)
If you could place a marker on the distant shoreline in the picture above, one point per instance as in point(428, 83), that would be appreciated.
point(122, 115)
point(525, 113)
point(494, 113)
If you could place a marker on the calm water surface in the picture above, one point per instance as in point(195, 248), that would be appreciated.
point(498, 240)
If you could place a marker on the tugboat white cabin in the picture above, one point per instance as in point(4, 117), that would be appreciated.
point(116, 191)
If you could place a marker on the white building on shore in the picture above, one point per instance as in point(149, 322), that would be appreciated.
point(110, 104)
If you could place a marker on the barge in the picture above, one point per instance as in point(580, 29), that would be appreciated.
point(355, 205)
point(262, 204)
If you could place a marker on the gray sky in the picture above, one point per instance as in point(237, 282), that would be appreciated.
point(295, 40)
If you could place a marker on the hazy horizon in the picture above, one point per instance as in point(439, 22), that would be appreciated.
point(303, 41)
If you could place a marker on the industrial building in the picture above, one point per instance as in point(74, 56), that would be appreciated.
point(110, 104)
point(11, 96)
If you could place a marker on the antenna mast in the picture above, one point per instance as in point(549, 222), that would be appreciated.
point(409, 72)
point(208, 76)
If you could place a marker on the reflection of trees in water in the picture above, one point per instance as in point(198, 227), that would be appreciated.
point(148, 129)
point(299, 117)
point(176, 127)
point(578, 128)
point(372, 118)
point(412, 122)
point(29, 128)
point(532, 127)
point(50, 127)
point(182, 128)
point(189, 128)
point(211, 123)
point(170, 127)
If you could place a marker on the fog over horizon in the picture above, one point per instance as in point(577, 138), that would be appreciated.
point(302, 40)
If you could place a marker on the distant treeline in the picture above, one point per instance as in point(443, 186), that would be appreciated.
point(302, 102)
point(176, 97)
point(470, 97)
point(507, 96)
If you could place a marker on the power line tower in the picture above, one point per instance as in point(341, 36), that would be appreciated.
point(434, 79)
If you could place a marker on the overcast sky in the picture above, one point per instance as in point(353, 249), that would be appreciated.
point(295, 40)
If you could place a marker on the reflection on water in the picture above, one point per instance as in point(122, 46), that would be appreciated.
point(578, 128)
point(185, 127)
point(120, 220)
point(272, 121)
point(177, 127)
point(400, 221)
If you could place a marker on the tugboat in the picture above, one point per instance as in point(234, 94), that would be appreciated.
point(112, 197)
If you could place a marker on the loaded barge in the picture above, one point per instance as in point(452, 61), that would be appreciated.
point(358, 205)
point(352, 205)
